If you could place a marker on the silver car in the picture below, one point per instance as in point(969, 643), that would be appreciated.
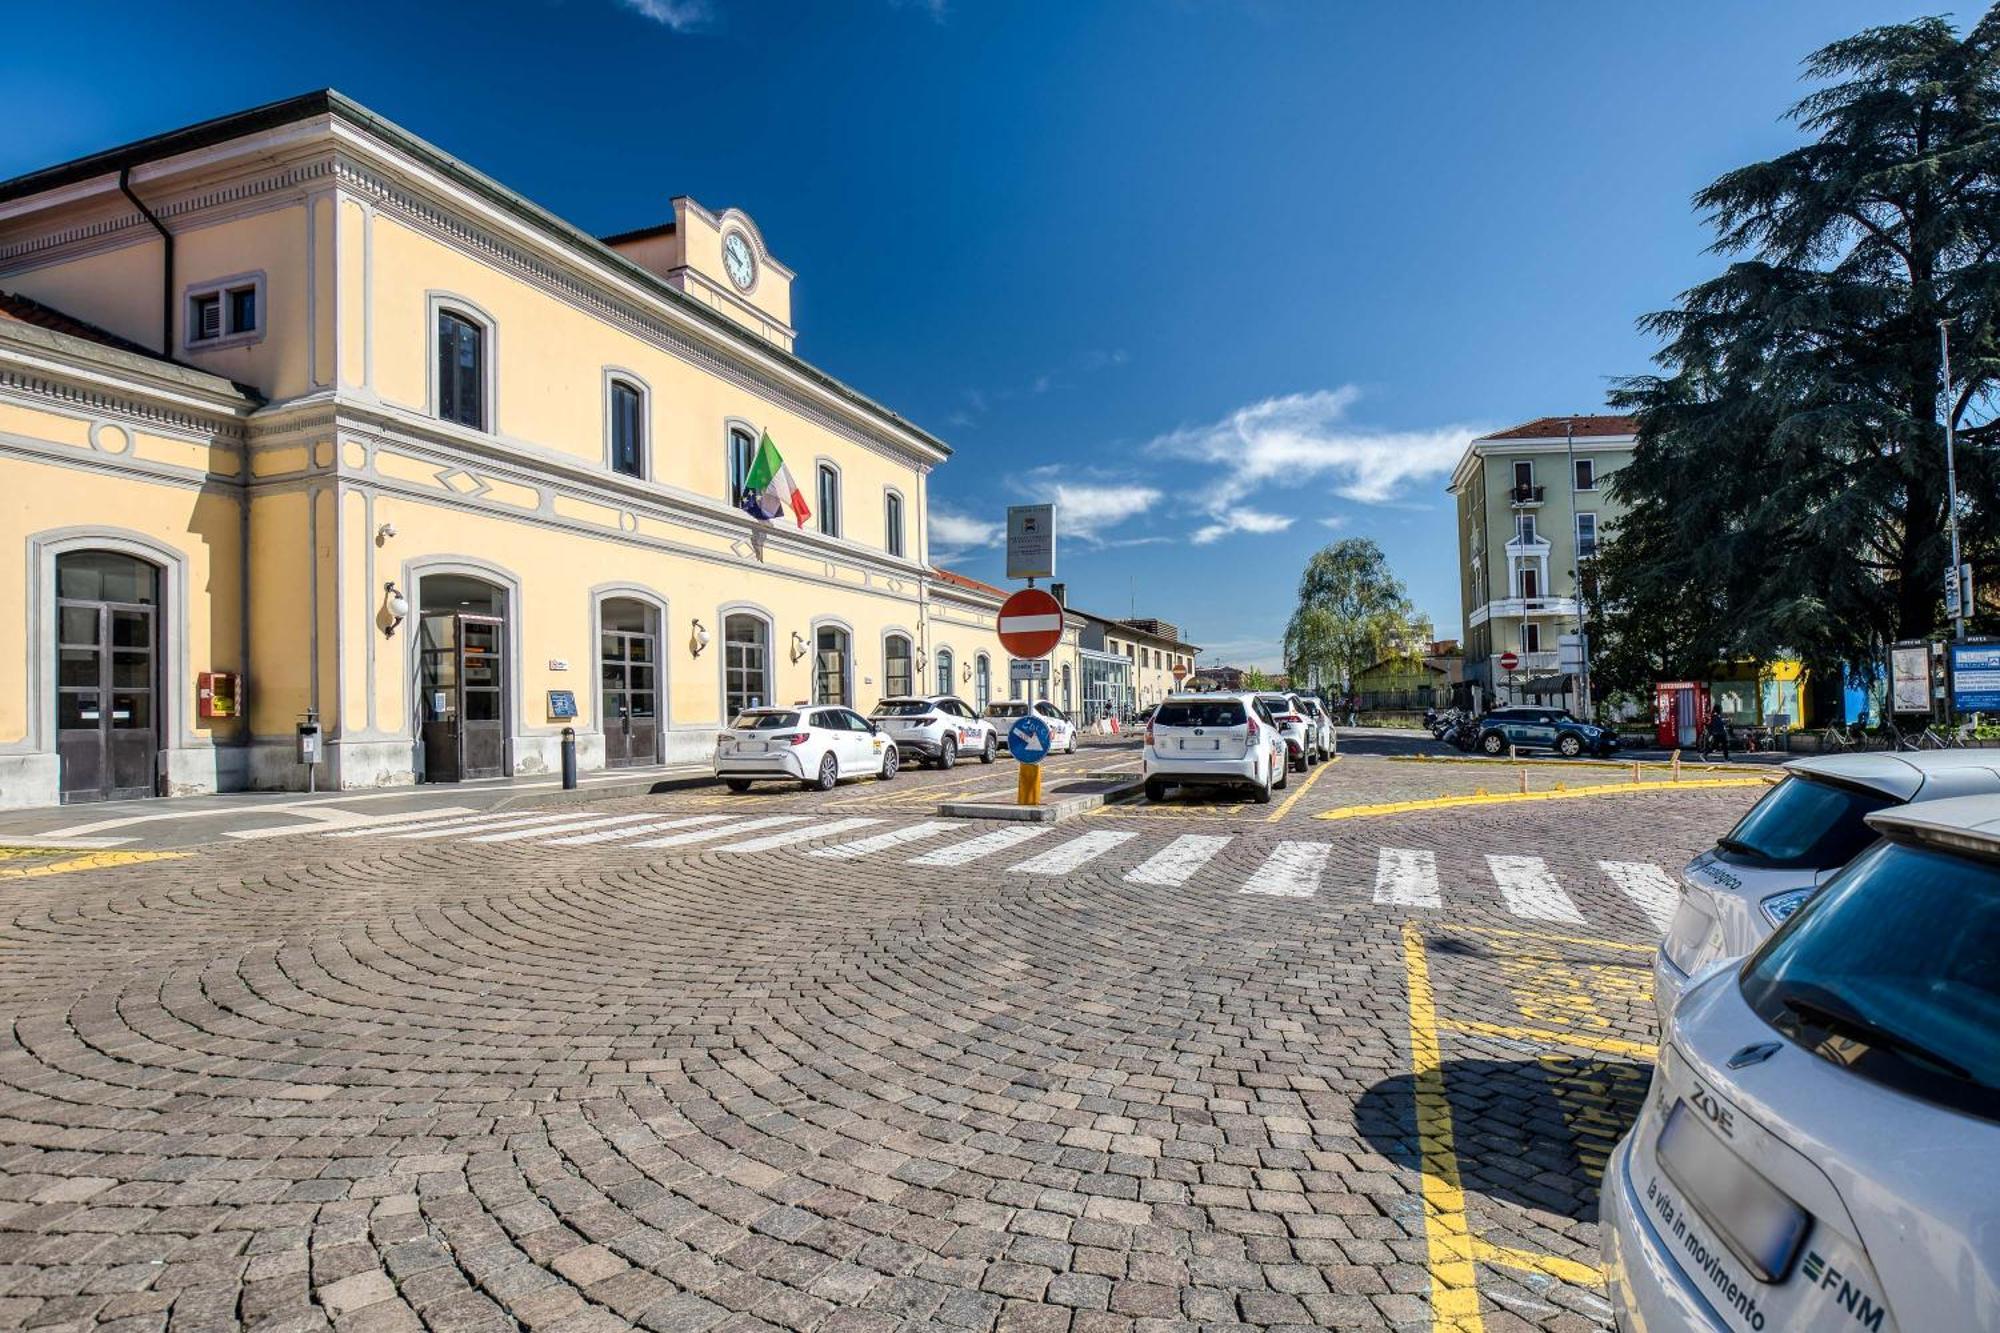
point(1820, 1147)
point(1792, 841)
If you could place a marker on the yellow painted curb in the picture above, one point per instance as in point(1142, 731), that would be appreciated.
point(1304, 787)
point(1514, 798)
point(1545, 761)
point(93, 861)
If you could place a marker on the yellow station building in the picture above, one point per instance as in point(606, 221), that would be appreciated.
point(301, 415)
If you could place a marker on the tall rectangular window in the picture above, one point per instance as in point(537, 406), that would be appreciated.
point(461, 370)
point(898, 679)
point(1586, 474)
point(1524, 529)
point(1524, 475)
point(746, 663)
point(892, 523)
point(628, 438)
point(1586, 534)
point(742, 453)
point(829, 501)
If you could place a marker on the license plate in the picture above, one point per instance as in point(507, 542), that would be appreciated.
point(1209, 743)
point(752, 747)
point(1754, 1218)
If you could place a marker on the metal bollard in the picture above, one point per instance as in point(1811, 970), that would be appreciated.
point(569, 758)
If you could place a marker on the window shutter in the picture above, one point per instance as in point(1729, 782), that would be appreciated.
point(207, 317)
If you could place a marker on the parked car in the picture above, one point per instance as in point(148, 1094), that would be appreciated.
point(1792, 841)
point(1213, 740)
point(1301, 736)
point(816, 746)
point(1322, 723)
point(1820, 1147)
point(937, 729)
point(1533, 727)
point(1062, 731)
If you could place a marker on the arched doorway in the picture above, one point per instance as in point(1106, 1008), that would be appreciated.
point(628, 665)
point(462, 677)
point(108, 663)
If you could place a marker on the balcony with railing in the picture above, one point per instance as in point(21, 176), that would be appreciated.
point(1527, 497)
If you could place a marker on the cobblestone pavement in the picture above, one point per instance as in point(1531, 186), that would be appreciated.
point(773, 1075)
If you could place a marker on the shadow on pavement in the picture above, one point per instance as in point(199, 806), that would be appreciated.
point(1534, 1132)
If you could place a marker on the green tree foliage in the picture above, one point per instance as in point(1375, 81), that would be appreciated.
point(1788, 492)
point(1352, 612)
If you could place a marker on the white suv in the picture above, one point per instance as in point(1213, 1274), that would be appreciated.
point(1820, 1148)
point(937, 728)
point(1062, 731)
point(1322, 724)
point(816, 746)
point(1213, 740)
point(1300, 732)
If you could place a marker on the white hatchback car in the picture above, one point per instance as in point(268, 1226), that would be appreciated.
point(1820, 1147)
point(1793, 840)
point(937, 728)
point(1296, 725)
point(1062, 731)
point(815, 745)
point(1213, 740)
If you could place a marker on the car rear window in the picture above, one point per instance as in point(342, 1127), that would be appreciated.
point(903, 708)
point(1207, 713)
point(1893, 971)
point(765, 721)
point(1805, 822)
point(1277, 703)
point(1006, 710)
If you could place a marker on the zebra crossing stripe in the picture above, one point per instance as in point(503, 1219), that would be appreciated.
point(1405, 877)
point(542, 830)
point(971, 849)
point(405, 823)
point(704, 834)
point(1078, 851)
point(1648, 886)
point(882, 842)
point(1531, 891)
point(453, 827)
point(612, 835)
point(790, 836)
point(1292, 870)
point(1177, 862)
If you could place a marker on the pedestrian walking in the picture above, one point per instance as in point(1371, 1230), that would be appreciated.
point(1717, 735)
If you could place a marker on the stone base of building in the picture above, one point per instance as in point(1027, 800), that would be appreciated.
point(28, 780)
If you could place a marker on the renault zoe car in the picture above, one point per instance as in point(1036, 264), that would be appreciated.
point(1214, 740)
point(1793, 840)
point(1820, 1147)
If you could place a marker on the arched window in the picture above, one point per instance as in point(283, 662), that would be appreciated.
point(982, 681)
point(897, 676)
point(892, 523)
point(1066, 703)
point(626, 409)
point(944, 671)
point(829, 499)
point(830, 666)
point(742, 453)
point(461, 368)
point(746, 663)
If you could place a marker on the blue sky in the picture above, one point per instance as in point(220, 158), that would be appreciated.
point(1227, 280)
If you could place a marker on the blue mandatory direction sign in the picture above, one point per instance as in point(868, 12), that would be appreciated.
point(1028, 739)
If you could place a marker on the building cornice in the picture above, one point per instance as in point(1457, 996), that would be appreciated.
point(83, 374)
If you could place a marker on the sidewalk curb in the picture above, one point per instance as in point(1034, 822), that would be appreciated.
point(601, 791)
point(1049, 812)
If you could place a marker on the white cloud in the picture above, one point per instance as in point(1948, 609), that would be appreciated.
point(1333, 521)
point(954, 535)
point(1305, 438)
point(679, 15)
point(1239, 519)
point(1086, 509)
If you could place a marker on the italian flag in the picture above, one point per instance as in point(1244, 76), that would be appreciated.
point(769, 488)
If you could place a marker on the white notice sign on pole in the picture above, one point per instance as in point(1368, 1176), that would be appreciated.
point(1031, 541)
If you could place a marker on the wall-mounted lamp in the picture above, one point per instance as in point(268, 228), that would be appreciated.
point(699, 639)
point(965, 672)
point(921, 661)
point(395, 607)
point(798, 646)
point(384, 533)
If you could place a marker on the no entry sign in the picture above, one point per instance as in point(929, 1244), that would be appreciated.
point(1031, 623)
point(1508, 661)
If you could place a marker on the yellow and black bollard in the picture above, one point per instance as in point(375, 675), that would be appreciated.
point(1028, 785)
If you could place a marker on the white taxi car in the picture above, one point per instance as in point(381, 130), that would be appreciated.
point(1820, 1147)
point(1793, 840)
point(815, 745)
point(1213, 740)
point(1062, 731)
point(937, 728)
point(1299, 730)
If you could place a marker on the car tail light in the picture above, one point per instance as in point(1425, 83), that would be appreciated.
point(722, 736)
point(1250, 730)
point(1149, 734)
point(796, 738)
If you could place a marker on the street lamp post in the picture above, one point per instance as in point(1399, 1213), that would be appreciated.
point(1951, 484)
point(1576, 574)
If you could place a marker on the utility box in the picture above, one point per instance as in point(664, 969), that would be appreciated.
point(309, 739)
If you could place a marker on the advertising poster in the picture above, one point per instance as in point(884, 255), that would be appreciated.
point(1910, 678)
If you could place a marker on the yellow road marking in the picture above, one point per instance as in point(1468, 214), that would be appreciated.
point(1502, 931)
point(1563, 1270)
point(1687, 766)
point(1304, 787)
point(1548, 1037)
point(1512, 798)
point(1447, 1235)
point(93, 861)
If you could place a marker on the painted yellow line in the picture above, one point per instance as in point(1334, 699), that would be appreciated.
point(94, 861)
point(1447, 1234)
point(1304, 787)
point(1563, 1270)
point(1514, 798)
point(1546, 1037)
point(1687, 765)
point(1457, 929)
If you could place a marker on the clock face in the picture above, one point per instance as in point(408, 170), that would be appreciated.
point(736, 257)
